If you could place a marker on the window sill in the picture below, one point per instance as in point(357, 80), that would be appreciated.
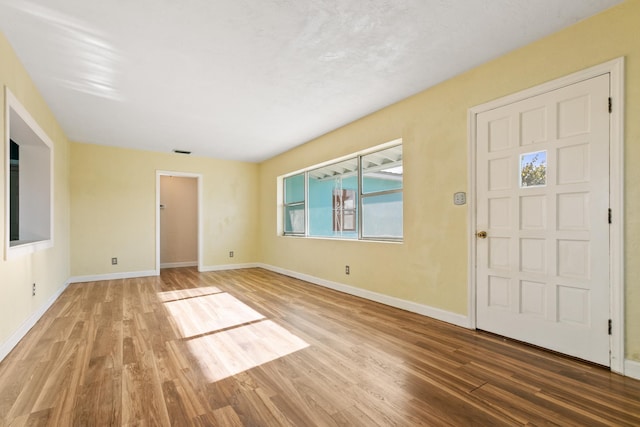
point(18, 248)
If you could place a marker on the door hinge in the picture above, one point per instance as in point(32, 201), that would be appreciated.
point(610, 217)
point(610, 105)
point(609, 327)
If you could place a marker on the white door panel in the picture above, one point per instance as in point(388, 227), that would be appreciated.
point(542, 197)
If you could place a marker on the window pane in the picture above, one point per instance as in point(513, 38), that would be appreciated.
point(533, 169)
point(332, 201)
point(382, 170)
point(382, 216)
point(344, 210)
point(294, 189)
point(294, 219)
point(14, 192)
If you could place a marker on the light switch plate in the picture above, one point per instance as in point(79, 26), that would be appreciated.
point(460, 198)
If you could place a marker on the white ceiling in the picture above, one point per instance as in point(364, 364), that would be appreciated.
point(248, 79)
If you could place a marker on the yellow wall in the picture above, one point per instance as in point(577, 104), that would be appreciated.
point(430, 267)
point(113, 205)
point(49, 269)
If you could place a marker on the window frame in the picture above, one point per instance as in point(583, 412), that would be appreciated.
point(360, 196)
point(286, 206)
point(36, 181)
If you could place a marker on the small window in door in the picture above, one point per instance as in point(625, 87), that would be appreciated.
point(533, 169)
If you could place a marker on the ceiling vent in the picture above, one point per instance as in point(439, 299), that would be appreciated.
point(181, 151)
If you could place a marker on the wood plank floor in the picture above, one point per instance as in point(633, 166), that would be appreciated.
point(254, 348)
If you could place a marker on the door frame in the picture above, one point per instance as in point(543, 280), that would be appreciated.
point(615, 68)
point(198, 177)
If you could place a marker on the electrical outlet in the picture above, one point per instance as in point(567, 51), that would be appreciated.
point(347, 270)
point(230, 254)
point(114, 261)
point(33, 292)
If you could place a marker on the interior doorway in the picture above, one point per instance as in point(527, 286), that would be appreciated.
point(178, 216)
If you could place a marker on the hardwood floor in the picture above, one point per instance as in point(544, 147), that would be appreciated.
point(254, 348)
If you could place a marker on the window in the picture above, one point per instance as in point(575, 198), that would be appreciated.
point(533, 169)
point(382, 194)
point(356, 198)
point(294, 204)
point(29, 177)
point(332, 196)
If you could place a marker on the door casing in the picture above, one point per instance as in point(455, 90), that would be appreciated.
point(615, 68)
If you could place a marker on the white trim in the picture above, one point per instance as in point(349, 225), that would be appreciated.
point(616, 203)
point(19, 250)
point(632, 369)
point(425, 310)
point(112, 276)
point(615, 69)
point(18, 334)
point(223, 267)
point(198, 176)
point(179, 264)
point(471, 217)
point(379, 147)
point(11, 252)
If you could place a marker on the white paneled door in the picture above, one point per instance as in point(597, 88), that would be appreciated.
point(542, 267)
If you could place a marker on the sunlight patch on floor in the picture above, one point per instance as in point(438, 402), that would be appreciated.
point(230, 352)
point(224, 334)
point(209, 313)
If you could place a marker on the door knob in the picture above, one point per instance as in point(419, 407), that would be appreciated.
point(481, 234)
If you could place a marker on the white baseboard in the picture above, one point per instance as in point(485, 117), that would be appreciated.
point(112, 276)
point(223, 267)
point(179, 264)
point(632, 369)
point(14, 339)
point(425, 310)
